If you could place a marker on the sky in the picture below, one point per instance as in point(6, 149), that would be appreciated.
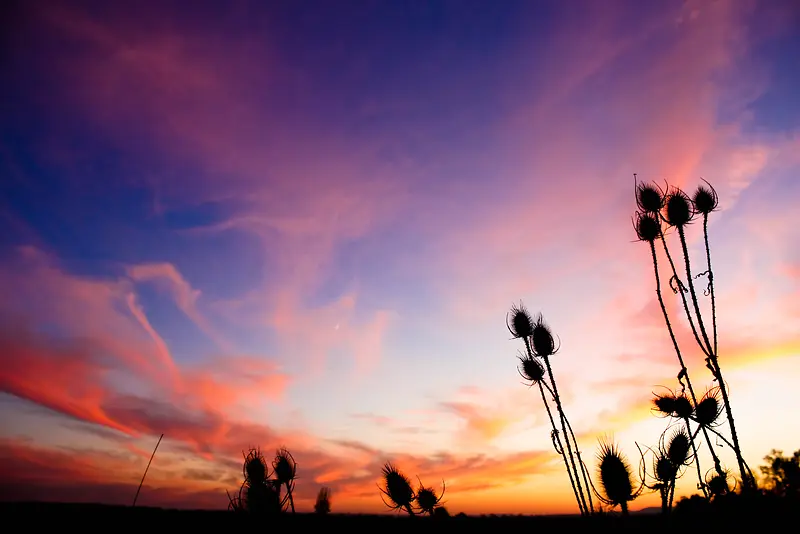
point(302, 224)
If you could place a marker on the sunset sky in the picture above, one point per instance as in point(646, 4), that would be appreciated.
point(302, 224)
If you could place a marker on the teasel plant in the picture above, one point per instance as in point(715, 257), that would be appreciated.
point(285, 469)
point(323, 504)
point(397, 489)
point(535, 368)
point(258, 494)
point(427, 499)
point(673, 208)
point(616, 477)
point(670, 459)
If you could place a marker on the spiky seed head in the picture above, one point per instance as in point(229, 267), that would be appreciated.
point(664, 403)
point(615, 474)
point(709, 408)
point(683, 406)
point(678, 448)
point(397, 486)
point(519, 321)
point(531, 369)
point(665, 470)
point(649, 197)
point(705, 199)
point(718, 484)
point(284, 466)
point(255, 468)
point(678, 211)
point(427, 499)
point(542, 338)
point(648, 226)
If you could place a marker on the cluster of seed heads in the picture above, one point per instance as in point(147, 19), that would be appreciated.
point(670, 206)
point(401, 494)
point(260, 492)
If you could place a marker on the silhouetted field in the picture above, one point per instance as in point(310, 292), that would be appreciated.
point(49, 515)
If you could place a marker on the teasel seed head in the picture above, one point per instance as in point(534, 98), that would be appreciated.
point(649, 197)
point(255, 468)
point(615, 474)
point(397, 487)
point(531, 369)
point(679, 448)
point(678, 210)
point(705, 199)
point(647, 226)
point(519, 321)
point(709, 408)
point(542, 341)
point(284, 466)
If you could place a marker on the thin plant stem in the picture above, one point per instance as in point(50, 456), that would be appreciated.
point(696, 457)
point(680, 290)
point(560, 408)
point(584, 471)
point(145, 471)
point(710, 282)
point(556, 439)
point(714, 363)
point(684, 371)
point(560, 446)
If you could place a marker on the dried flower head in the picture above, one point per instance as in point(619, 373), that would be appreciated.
point(616, 479)
point(672, 404)
point(663, 468)
point(664, 404)
point(679, 447)
point(649, 197)
point(397, 487)
point(255, 468)
point(519, 321)
point(709, 408)
point(647, 226)
point(678, 210)
point(542, 341)
point(718, 484)
point(531, 369)
point(683, 406)
point(705, 199)
point(284, 466)
point(427, 500)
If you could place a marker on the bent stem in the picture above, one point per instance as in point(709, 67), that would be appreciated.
point(584, 471)
point(560, 447)
point(684, 373)
point(564, 429)
point(712, 354)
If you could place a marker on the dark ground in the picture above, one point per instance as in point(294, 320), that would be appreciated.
point(64, 516)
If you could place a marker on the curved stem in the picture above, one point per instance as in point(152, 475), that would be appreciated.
point(683, 295)
point(584, 471)
point(696, 458)
point(747, 482)
point(692, 292)
point(558, 441)
point(684, 371)
point(560, 408)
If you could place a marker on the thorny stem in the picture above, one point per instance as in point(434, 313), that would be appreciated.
point(729, 444)
point(564, 428)
point(710, 282)
point(291, 499)
point(712, 355)
point(686, 262)
point(680, 290)
point(696, 458)
point(584, 471)
point(684, 371)
point(556, 439)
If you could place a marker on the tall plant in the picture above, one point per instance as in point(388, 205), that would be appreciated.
point(536, 368)
point(659, 212)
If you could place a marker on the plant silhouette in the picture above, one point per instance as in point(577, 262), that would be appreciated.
point(535, 367)
point(616, 477)
point(260, 494)
point(398, 490)
point(323, 504)
point(658, 211)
